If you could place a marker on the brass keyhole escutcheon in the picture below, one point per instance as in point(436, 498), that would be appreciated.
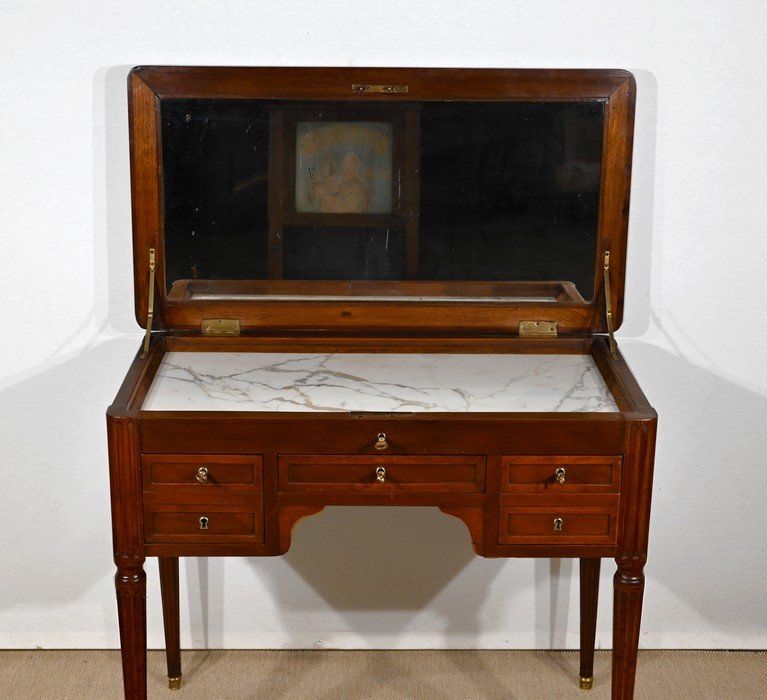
point(559, 475)
point(204, 522)
point(381, 475)
point(202, 475)
point(381, 443)
point(558, 524)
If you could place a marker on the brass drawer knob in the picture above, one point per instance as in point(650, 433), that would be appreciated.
point(381, 475)
point(381, 443)
point(204, 522)
point(558, 524)
point(559, 475)
point(201, 475)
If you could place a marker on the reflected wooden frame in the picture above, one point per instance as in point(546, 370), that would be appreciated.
point(283, 150)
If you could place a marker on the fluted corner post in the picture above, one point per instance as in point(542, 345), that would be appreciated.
point(628, 586)
point(130, 584)
point(128, 540)
point(589, 580)
point(629, 579)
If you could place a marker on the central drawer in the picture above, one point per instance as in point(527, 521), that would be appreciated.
point(379, 474)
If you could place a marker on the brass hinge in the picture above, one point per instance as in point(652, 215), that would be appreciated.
point(541, 329)
point(609, 307)
point(150, 306)
point(220, 326)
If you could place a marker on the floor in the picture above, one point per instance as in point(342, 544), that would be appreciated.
point(220, 674)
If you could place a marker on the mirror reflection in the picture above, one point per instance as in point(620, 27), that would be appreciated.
point(438, 200)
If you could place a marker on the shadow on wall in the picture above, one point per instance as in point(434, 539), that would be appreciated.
point(112, 245)
point(707, 543)
point(642, 244)
point(355, 558)
point(55, 495)
point(379, 569)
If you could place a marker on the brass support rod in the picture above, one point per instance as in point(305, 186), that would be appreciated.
point(609, 307)
point(150, 310)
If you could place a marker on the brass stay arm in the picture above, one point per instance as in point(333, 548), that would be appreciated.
point(150, 310)
point(609, 307)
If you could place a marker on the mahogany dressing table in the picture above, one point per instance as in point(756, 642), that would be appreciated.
point(380, 287)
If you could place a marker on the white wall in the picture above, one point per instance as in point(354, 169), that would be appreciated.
point(695, 331)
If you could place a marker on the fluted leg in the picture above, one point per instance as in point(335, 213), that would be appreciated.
point(628, 586)
point(130, 583)
point(589, 600)
point(170, 616)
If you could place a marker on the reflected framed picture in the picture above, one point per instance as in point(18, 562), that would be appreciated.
point(344, 167)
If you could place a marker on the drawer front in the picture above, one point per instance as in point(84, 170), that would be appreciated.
point(203, 523)
point(558, 525)
point(561, 474)
point(374, 474)
point(202, 470)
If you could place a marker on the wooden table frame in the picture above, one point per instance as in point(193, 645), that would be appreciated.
point(625, 438)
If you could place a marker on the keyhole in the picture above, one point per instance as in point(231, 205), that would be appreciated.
point(203, 523)
point(558, 524)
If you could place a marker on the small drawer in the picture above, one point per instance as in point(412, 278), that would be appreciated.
point(203, 523)
point(561, 474)
point(202, 470)
point(379, 474)
point(558, 525)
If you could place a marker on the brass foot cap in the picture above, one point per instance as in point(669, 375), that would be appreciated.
point(586, 682)
point(174, 683)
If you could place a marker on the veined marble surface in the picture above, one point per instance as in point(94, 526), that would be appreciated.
point(232, 381)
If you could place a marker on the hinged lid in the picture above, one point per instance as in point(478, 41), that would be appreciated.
point(419, 200)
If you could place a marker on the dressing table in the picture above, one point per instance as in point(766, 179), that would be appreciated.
point(380, 287)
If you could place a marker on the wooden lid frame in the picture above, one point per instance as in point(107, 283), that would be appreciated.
point(148, 86)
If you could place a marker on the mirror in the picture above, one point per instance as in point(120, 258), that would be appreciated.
point(431, 200)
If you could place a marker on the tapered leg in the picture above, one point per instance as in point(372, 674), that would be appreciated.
point(589, 600)
point(628, 586)
point(170, 616)
point(130, 583)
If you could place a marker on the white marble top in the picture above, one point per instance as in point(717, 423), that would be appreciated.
point(254, 381)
